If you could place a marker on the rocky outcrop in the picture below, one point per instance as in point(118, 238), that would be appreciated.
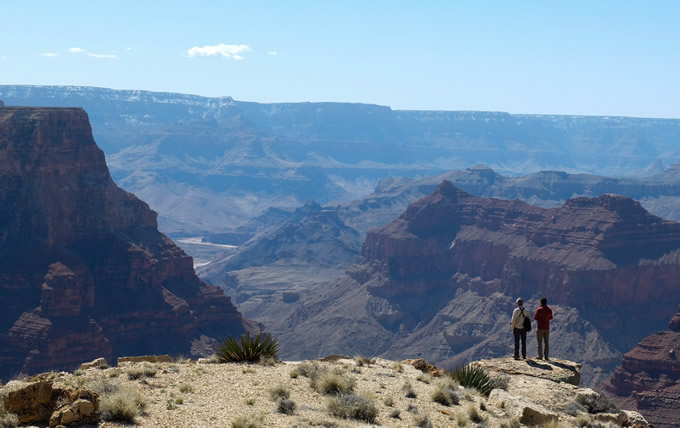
point(84, 272)
point(648, 379)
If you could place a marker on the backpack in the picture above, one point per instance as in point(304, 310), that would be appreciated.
point(527, 321)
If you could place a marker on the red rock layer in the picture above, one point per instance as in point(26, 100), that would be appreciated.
point(649, 377)
point(84, 272)
point(606, 256)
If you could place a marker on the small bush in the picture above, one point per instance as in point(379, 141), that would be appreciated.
point(8, 420)
point(170, 404)
point(361, 361)
point(461, 419)
point(145, 370)
point(122, 406)
point(286, 406)
point(424, 378)
point(251, 421)
point(250, 401)
point(388, 401)
point(445, 394)
point(310, 370)
point(501, 381)
point(472, 375)
point(186, 389)
point(331, 384)
point(279, 392)
point(353, 406)
point(422, 421)
point(574, 409)
point(102, 386)
point(248, 349)
point(599, 403)
point(395, 414)
point(510, 423)
point(408, 390)
point(473, 414)
point(294, 374)
point(397, 367)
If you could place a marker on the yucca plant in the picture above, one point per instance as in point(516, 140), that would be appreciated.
point(473, 376)
point(247, 349)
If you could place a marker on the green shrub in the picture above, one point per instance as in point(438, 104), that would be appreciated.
point(332, 383)
point(251, 421)
point(279, 392)
point(122, 406)
point(351, 406)
point(473, 376)
point(249, 349)
point(286, 406)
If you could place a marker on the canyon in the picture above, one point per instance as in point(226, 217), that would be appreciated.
point(84, 271)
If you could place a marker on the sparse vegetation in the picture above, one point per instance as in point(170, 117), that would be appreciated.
point(395, 414)
point(597, 403)
point(186, 389)
point(122, 406)
point(388, 401)
point(310, 370)
point(286, 406)
point(251, 421)
point(510, 423)
point(9, 420)
point(424, 378)
point(408, 390)
point(422, 421)
point(250, 401)
point(352, 406)
point(247, 349)
point(102, 386)
point(574, 409)
point(294, 374)
point(279, 392)
point(361, 361)
point(473, 414)
point(445, 393)
point(473, 376)
point(333, 384)
point(397, 367)
point(146, 370)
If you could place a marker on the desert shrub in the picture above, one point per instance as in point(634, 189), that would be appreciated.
point(573, 408)
point(102, 386)
point(248, 349)
point(501, 381)
point(397, 367)
point(597, 403)
point(351, 406)
point(361, 361)
point(388, 401)
point(145, 370)
point(395, 414)
point(461, 419)
point(294, 374)
point(286, 406)
point(473, 414)
point(279, 392)
point(331, 383)
point(472, 375)
point(8, 420)
point(408, 390)
point(422, 421)
point(250, 421)
point(250, 401)
point(122, 406)
point(424, 378)
point(445, 394)
point(186, 389)
point(310, 370)
point(181, 359)
point(584, 421)
point(170, 404)
point(510, 423)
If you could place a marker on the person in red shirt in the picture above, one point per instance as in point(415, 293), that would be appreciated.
point(543, 315)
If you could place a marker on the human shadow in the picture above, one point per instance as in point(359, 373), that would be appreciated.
point(538, 365)
point(563, 366)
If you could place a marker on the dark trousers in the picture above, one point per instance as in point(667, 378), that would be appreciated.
point(520, 333)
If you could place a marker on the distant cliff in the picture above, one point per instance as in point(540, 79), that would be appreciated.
point(648, 379)
point(439, 281)
point(84, 271)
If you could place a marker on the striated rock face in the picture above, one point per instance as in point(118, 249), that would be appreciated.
point(649, 377)
point(440, 282)
point(84, 272)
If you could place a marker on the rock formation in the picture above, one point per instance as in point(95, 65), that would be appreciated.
point(84, 272)
point(648, 379)
point(440, 281)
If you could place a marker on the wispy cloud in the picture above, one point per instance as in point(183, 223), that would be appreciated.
point(103, 56)
point(76, 50)
point(228, 51)
point(129, 48)
point(272, 52)
point(50, 54)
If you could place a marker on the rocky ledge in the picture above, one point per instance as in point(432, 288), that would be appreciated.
point(84, 271)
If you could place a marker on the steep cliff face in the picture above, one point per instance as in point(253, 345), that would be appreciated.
point(649, 377)
point(84, 271)
point(440, 281)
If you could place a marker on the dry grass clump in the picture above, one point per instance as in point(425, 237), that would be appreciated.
point(186, 389)
point(424, 378)
point(397, 367)
point(599, 403)
point(146, 370)
point(250, 421)
point(445, 393)
point(352, 406)
point(473, 414)
point(510, 423)
point(286, 406)
point(279, 392)
point(408, 390)
point(310, 370)
point(122, 405)
point(7, 420)
point(333, 384)
point(422, 421)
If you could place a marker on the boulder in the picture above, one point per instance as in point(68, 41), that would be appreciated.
point(527, 411)
point(424, 366)
point(146, 358)
point(556, 370)
point(32, 401)
point(99, 363)
point(82, 410)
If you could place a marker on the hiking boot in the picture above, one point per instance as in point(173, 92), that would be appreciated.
point(539, 358)
point(516, 357)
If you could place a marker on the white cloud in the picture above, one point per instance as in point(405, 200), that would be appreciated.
point(272, 53)
point(129, 48)
point(50, 54)
point(228, 51)
point(76, 50)
point(103, 56)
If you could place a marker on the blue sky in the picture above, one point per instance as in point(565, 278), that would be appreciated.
point(544, 57)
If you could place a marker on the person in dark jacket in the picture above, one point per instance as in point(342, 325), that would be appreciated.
point(517, 324)
point(543, 316)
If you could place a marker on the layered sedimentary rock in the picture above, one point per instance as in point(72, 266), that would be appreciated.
point(84, 272)
point(648, 379)
point(440, 281)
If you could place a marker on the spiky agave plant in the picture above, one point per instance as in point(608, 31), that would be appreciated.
point(247, 349)
point(473, 376)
